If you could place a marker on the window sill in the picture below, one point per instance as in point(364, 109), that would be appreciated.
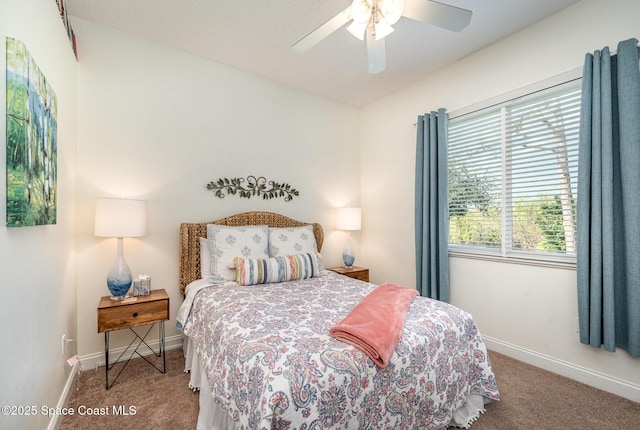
point(567, 263)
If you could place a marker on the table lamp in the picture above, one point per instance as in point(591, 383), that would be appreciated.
point(120, 218)
point(348, 219)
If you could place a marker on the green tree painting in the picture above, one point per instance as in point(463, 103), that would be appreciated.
point(31, 141)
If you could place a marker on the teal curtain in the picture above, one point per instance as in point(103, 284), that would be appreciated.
point(609, 200)
point(432, 209)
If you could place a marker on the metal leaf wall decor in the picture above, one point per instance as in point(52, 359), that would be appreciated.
point(252, 186)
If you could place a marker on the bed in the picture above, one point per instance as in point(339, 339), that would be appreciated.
point(261, 355)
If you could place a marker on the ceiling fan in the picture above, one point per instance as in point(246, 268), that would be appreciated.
point(373, 19)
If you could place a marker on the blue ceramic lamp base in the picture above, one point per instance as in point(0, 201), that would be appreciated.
point(118, 289)
point(119, 278)
point(348, 260)
point(348, 256)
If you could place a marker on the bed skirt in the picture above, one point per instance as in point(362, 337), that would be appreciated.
point(212, 417)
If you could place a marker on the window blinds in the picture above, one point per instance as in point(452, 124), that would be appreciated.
point(513, 174)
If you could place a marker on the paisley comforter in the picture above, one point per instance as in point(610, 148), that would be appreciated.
point(271, 363)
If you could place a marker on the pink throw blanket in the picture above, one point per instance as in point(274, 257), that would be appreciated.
point(375, 324)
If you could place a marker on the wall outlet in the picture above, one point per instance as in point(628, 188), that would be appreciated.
point(63, 342)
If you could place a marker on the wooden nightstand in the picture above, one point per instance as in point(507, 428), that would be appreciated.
point(353, 272)
point(122, 314)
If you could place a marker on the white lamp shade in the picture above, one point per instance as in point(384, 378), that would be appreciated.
point(120, 218)
point(348, 218)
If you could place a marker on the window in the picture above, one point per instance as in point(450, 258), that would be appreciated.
point(513, 177)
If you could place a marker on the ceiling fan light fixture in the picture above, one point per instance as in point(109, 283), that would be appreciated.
point(382, 29)
point(358, 29)
point(373, 20)
point(391, 10)
point(361, 11)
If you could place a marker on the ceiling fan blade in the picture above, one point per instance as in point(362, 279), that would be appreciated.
point(323, 31)
point(438, 14)
point(376, 53)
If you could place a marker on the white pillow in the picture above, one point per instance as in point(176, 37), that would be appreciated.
point(226, 243)
point(292, 241)
point(205, 259)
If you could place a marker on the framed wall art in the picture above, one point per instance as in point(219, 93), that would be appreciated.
point(31, 141)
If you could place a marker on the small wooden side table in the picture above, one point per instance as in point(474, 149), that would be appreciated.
point(354, 272)
point(130, 313)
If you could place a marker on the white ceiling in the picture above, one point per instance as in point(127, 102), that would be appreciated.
point(256, 36)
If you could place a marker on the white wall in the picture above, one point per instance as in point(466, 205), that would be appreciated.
point(525, 311)
point(150, 122)
point(37, 274)
point(158, 124)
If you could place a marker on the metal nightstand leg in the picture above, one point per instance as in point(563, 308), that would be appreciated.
point(161, 352)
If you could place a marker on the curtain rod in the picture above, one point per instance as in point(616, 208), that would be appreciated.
point(562, 78)
point(471, 110)
point(615, 51)
point(553, 81)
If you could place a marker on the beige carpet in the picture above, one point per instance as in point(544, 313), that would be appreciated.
point(161, 401)
point(531, 399)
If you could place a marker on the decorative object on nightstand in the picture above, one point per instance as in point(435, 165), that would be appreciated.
point(142, 285)
point(120, 218)
point(354, 272)
point(348, 219)
point(137, 311)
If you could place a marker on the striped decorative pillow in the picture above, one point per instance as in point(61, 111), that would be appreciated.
point(276, 269)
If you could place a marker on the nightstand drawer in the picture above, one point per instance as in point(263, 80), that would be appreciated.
point(116, 315)
point(362, 276)
point(359, 273)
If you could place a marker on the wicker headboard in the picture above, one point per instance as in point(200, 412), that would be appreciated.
point(190, 234)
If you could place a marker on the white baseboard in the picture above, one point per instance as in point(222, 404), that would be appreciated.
point(595, 379)
point(56, 419)
point(93, 361)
